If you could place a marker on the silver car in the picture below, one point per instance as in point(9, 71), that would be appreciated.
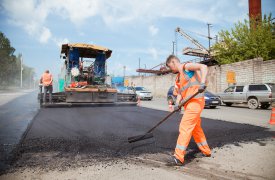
point(143, 93)
point(255, 95)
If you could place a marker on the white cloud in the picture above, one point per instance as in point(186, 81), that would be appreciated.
point(123, 11)
point(59, 42)
point(153, 30)
point(76, 11)
point(31, 15)
point(153, 52)
point(45, 35)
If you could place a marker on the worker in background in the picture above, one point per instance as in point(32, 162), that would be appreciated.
point(47, 81)
point(191, 78)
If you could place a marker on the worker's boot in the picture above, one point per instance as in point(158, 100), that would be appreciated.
point(173, 161)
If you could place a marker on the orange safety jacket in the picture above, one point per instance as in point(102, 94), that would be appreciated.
point(176, 86)
point(188, 86)
point(46, 79)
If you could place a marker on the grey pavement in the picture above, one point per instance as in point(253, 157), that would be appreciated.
point(17, 109)
point(99, 134)
point(70, 138)
point(237, 113)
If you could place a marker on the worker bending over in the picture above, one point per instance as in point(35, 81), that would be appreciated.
point(47, 81)
point(191, 78)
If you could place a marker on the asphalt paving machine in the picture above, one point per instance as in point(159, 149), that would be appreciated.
point(83, 78)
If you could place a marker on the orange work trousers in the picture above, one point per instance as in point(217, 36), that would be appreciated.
point(191, 126)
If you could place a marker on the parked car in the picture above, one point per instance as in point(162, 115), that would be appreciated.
point(211, 100)
point(255, 95)
point(171, 99)
point(143, 93)
point(125, 94)
point(125, 90)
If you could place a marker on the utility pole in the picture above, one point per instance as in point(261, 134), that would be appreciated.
point(176, 43)
point(139, 65)
point(145, 68)
point(21, 71)
point(209, 38)
point(173, 47)
point(124, 68)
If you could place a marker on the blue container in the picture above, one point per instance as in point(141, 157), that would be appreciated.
point(73, 58)
point(117, 81)
point(99, 65)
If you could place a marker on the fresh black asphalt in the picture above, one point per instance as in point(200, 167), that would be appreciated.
point(102, 132)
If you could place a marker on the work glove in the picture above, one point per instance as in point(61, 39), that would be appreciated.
point(202, 87)
point(177, 106)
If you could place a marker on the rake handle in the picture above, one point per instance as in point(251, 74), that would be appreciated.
point(170, 114)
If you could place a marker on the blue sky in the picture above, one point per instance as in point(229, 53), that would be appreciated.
point(132, 29)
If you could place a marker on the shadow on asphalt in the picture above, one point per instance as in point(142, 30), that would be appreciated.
point(102, 132)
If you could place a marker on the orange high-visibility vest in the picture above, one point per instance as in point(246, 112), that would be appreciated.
point(176, 86)
point(46, 79)
point(188, 85)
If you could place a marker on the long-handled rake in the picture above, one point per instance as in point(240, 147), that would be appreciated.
point(149, 133)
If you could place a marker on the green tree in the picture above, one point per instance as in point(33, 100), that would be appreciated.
point(10, 66)
point(246, 40)
point(7, 59)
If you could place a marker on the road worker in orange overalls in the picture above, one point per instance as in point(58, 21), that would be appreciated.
point(191, 78)
point(47, 81)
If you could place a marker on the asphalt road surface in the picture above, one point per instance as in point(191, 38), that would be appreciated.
point(106, 129)
point(17, 109)
point(64, 138)
point(238, 113)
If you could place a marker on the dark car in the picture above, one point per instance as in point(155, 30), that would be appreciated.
point(170, 96)
point(211, 100)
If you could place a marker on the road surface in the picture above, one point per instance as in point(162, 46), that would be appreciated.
point(92, 142)
point(237, 113)
point(17, 109)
